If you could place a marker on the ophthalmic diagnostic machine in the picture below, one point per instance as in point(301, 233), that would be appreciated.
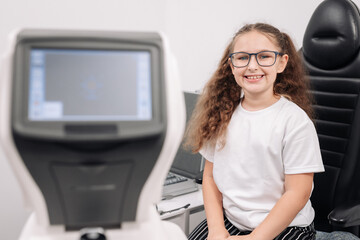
point(90, 123)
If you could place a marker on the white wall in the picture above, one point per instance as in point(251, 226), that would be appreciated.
point(198, 31)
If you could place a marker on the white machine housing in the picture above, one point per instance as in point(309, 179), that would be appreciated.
point(147, 221)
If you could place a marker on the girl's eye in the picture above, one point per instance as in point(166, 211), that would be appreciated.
point(263, 56)
point(242, 57)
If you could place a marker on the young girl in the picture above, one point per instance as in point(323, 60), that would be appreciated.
point(253, 125)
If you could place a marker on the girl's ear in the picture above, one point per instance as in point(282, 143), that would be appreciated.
point(282, 63)
point(232, 67)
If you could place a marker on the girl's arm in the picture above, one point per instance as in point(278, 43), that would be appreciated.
point(297, 193)
point(213, 205)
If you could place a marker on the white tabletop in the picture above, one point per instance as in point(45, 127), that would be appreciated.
point(180, 204)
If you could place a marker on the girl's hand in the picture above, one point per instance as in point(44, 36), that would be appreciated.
point(219, 235)
point(245, 237)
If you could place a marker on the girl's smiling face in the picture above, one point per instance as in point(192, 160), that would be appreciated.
point(255, 80)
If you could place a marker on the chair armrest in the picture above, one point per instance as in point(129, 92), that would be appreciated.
point(346, 215)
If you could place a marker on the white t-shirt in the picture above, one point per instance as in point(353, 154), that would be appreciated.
point(261, 147)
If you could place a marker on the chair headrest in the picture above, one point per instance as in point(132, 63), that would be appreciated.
point(332, 38)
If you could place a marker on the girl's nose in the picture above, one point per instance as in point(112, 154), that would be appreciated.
point(253, 63)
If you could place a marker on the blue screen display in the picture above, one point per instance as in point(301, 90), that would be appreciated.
point(89, 85)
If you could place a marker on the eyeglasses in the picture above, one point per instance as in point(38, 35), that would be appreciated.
point(263, 58)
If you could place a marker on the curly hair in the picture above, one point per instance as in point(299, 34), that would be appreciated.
point(221, 95)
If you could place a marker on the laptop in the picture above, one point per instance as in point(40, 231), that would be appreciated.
point(186, 165)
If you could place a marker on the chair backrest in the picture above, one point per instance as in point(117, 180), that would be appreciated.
point(331, 54)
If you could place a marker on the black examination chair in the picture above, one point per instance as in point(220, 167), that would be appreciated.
point(331, 54)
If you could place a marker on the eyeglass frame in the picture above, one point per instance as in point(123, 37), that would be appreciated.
point(255, 54)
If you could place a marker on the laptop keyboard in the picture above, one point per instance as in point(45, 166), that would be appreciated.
point(172, 179)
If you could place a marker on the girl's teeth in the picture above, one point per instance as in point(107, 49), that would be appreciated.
point(254, 77)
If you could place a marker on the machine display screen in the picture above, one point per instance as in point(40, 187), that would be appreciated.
point(89, 85)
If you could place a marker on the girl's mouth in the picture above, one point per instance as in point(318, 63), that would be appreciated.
point(253, 78)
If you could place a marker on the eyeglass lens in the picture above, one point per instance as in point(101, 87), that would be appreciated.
point(242, 59)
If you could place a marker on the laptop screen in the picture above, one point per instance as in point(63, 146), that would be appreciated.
point(186, 163)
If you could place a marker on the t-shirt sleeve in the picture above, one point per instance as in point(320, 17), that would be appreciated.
point(301, 150)
point(208, 152)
